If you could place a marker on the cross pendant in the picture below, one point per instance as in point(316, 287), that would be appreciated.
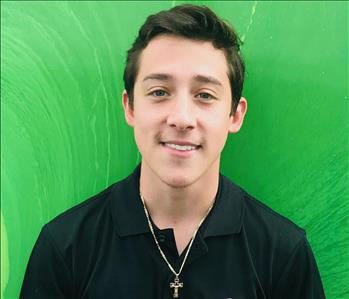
point(176, 284)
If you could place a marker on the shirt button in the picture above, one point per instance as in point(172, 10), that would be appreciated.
point(162, 238)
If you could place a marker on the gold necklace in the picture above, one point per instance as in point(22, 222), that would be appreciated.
point(176, 284)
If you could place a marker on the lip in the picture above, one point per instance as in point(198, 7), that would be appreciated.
point(178, 153)
point(181, 142)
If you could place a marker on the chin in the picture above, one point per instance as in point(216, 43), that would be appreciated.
point(178, 181)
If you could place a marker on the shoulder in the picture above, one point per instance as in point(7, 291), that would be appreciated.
point(84, 221)
point(264, 228)
point(261, 217)
point(272, 240)
point(82, 212)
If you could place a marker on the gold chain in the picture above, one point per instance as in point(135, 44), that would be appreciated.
point(157, 243)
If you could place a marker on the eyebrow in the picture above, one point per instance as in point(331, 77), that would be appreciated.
point(197, 78)
point(207, 79)
point(158, 76)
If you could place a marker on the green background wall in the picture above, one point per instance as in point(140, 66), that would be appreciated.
point(64, 137)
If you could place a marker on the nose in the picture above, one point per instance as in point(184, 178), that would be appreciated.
point(182, 116)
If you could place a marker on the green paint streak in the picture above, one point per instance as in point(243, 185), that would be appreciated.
point(5, 265)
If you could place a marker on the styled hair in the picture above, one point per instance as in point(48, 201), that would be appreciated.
point(192, 22)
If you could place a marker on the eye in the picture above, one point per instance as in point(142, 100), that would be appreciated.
point(159, 93)
point(205, 96)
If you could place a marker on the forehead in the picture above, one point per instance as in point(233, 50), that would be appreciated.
point(183, 59)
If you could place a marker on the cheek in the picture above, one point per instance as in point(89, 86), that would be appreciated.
point(144, 118)
point(150, 118)
point(142, 139)
point(146, 127)
point(217, 129)
point(217, 121)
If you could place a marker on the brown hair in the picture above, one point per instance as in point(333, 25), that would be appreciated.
point(193, 22)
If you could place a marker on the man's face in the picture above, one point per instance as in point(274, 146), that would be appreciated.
point(182, 103)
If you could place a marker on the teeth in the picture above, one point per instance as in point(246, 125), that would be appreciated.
point(180, 147)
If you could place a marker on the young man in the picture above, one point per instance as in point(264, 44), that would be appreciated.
point(176, 228)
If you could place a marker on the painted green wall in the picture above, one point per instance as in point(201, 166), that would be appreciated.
point(64, 137)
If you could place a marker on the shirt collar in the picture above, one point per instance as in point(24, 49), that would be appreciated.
point(129, 217)
point(227, 214)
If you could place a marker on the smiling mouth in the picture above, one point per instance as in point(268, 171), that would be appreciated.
point(182, 148)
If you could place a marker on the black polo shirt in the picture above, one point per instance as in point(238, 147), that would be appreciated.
point(103, 248)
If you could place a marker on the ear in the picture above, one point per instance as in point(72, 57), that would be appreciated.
point(129, 113)
point(237, 118)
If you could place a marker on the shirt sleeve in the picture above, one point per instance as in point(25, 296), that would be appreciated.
point(47, 274)
point(300, 277)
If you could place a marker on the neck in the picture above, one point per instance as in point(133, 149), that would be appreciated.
point(171, 206)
